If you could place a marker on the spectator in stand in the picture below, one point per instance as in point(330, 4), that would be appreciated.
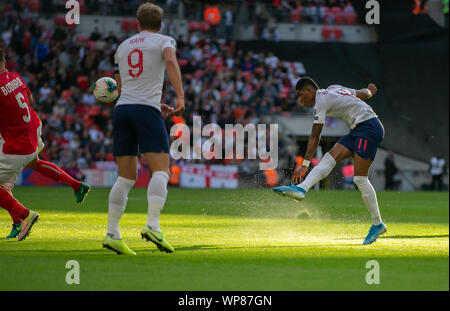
point(261, 22)
point(390, 169)
point(420, 7)
point(95, 35)
point(212, 16)
point(270, 32)
point(228, 20)
point(250, 9)
point(438, 169)
point(348, 8)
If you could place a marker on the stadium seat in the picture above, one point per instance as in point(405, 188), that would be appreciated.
point(129, 25)
point(194, 26)
point(332, 33)
point(296, 15)
point(60, 20)
point(339, 18)
point(82, 38)
point(350, 18)
point(337, 31)
point(204, 26)
point(326, 32)
point(336, 10)
point(82, 6)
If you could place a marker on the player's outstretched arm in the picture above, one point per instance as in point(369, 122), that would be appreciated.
point(313, 142)
point(367, 92)
point(174, 73)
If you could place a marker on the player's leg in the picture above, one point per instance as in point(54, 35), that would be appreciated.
point(154, 144)
point(118, 198)
point(125, 149)
point(16, 225)
point(156, 196)
point(52, 171)
point(10, 168)
point(340, 151)
point(28, 217)
point(17, 211)
point(365, 151)
point(157, 187)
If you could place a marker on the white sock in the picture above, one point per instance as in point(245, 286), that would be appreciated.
point(319, 172)
point(118, 198)
point(369, 197)
point(156, 195)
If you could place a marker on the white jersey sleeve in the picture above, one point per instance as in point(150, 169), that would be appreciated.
point(140, 62)
point(320, 108)
point(341, 102)
point(336, 86)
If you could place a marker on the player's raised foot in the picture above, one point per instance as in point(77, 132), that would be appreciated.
point(27, 224)
point(118, 246)
point(291, 191)
point(374, 233)
point(82, 193)
point(157, 238)
point(14, 231)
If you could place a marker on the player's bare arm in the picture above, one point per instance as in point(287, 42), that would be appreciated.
point(174, 73)
point(313, 142)
point(367, 92)
point(118, 81)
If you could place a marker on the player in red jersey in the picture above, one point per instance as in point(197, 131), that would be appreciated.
point(20, 144)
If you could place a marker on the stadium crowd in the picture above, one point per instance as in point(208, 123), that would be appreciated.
point(222, 84)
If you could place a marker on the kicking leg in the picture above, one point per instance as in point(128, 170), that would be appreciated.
point(52, 171)
point(338, 153)
point(362, 167)
point(156, 195)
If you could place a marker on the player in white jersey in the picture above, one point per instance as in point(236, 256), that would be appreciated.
point(366, 133)
point(138, 123)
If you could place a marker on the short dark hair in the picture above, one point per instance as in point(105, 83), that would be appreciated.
point(149, 16)
point(2, 55)
point(304, 82)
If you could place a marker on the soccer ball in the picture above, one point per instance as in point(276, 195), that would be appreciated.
point(105, 90)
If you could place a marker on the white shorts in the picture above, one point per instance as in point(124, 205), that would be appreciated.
point(11, 165)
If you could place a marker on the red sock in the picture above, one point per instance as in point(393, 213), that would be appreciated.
point(14, 217)
point(52, 171)
point(10, 204)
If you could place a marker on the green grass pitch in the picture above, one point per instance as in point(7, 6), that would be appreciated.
point(247, 239)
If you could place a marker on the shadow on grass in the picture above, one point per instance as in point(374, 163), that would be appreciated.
point(414, 236)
